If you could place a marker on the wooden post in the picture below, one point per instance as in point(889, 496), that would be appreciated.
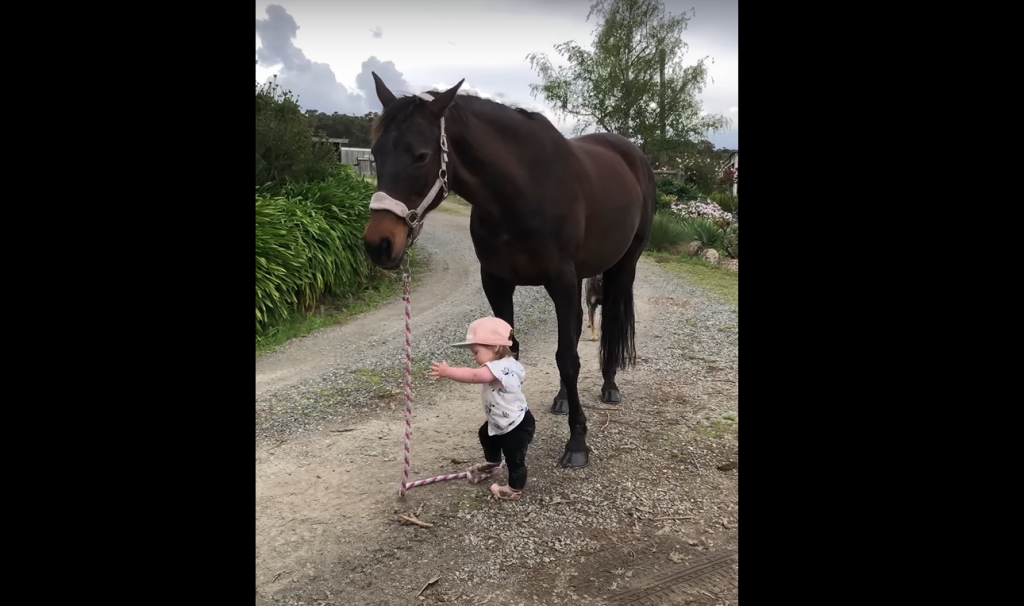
point(736, 166)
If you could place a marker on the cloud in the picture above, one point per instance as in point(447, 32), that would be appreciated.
point(315, 84)
point(734, 110)
point(387, 71)
point(377, 32)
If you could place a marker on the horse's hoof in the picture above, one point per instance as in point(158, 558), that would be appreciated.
point(560, 406)
point(611, 396)
point(575, 458)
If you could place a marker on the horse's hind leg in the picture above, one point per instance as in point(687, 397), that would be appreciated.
point(499, 294)
point(560, 405)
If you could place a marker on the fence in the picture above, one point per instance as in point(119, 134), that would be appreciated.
point(677, 174)
point(359, 157)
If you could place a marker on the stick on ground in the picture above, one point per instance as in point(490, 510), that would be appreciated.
point(412, 520)
point(429, 583)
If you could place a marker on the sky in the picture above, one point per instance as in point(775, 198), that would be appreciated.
point(324, 50)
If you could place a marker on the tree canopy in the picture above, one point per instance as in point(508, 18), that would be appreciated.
point(633, 81)
point(354, 128)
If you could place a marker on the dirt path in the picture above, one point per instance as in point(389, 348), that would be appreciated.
point(651, 518)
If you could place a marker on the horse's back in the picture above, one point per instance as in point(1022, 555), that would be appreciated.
point(616, 188)
point(614, 164)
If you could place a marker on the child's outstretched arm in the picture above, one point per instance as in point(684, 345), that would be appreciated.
point(461, 374)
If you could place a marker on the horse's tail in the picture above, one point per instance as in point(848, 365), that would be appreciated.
point(618, 324)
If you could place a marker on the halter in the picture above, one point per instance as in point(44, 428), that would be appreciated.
point(382, 201)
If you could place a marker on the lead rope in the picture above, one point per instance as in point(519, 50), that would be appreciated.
point(406, 275)
point(405, 485)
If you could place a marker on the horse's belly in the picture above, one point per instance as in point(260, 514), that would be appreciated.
point(517, 263)
point(606, 240)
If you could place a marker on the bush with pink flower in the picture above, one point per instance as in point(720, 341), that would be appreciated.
point(702, 208)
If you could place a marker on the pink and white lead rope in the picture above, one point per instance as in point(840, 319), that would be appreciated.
point(408, 396)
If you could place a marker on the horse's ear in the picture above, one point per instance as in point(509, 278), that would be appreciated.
point(442, 101)
point(385, 96)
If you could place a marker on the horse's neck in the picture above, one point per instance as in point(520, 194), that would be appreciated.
point(490, 180)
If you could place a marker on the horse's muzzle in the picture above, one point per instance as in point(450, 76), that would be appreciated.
point(380, 252)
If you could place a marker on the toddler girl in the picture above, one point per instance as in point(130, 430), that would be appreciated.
point(510, 425)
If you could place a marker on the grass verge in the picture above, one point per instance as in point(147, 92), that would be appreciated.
point(332, 311)
point(721, 283)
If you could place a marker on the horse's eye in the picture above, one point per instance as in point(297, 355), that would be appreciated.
point(422, 157)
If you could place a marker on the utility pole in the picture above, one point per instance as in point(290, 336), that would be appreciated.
point(661, 101)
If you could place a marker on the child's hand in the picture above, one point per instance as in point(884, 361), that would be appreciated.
point(438, 370)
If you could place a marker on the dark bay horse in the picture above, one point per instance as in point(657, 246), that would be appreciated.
point(546, 211)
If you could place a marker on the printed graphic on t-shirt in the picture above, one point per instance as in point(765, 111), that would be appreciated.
point(504, 406)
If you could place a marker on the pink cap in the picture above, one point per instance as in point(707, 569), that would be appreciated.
point(487, 331)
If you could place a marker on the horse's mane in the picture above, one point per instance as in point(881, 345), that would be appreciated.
point(402, 108)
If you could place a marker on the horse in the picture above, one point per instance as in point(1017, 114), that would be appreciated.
point(546, 211)
point(593, 302)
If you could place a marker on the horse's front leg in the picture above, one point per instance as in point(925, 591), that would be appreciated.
point(499, 294)
point(560, 405)
point(565, 293)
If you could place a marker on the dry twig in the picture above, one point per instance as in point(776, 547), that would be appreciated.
point(607, 420)
point(412, 520)
point(429, 583)
point(675, 518)
point(278, 575)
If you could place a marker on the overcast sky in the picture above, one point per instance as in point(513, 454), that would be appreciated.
point(324, 50)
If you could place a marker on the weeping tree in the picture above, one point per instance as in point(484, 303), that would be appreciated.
point(633, 81)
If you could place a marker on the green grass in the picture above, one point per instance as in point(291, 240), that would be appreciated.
point(332, 311)
point(721, 283)
point(717, 428)
point(309, 245)
point(667, 233)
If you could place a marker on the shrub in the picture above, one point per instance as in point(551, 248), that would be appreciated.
point(730, 177)
point(703, 230)
point(707, 210)
point(309, 244)
point(681, 191)
point(727, 202)
point(731, 241)
point(663, 203)
point(285, 149)
point(700, 172)
point(667, 233)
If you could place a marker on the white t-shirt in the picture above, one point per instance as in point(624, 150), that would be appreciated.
point(504, 406)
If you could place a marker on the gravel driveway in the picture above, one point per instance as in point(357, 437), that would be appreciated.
point(652, 520)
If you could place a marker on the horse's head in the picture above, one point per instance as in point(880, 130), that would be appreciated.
point(410, 148)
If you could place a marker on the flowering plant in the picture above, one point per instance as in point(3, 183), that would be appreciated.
point(702, 208)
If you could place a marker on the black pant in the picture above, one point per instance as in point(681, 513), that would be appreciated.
point(514, 445)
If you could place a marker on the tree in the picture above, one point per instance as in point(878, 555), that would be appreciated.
point(285, 149)
point(633, 82)
point(354, 128)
